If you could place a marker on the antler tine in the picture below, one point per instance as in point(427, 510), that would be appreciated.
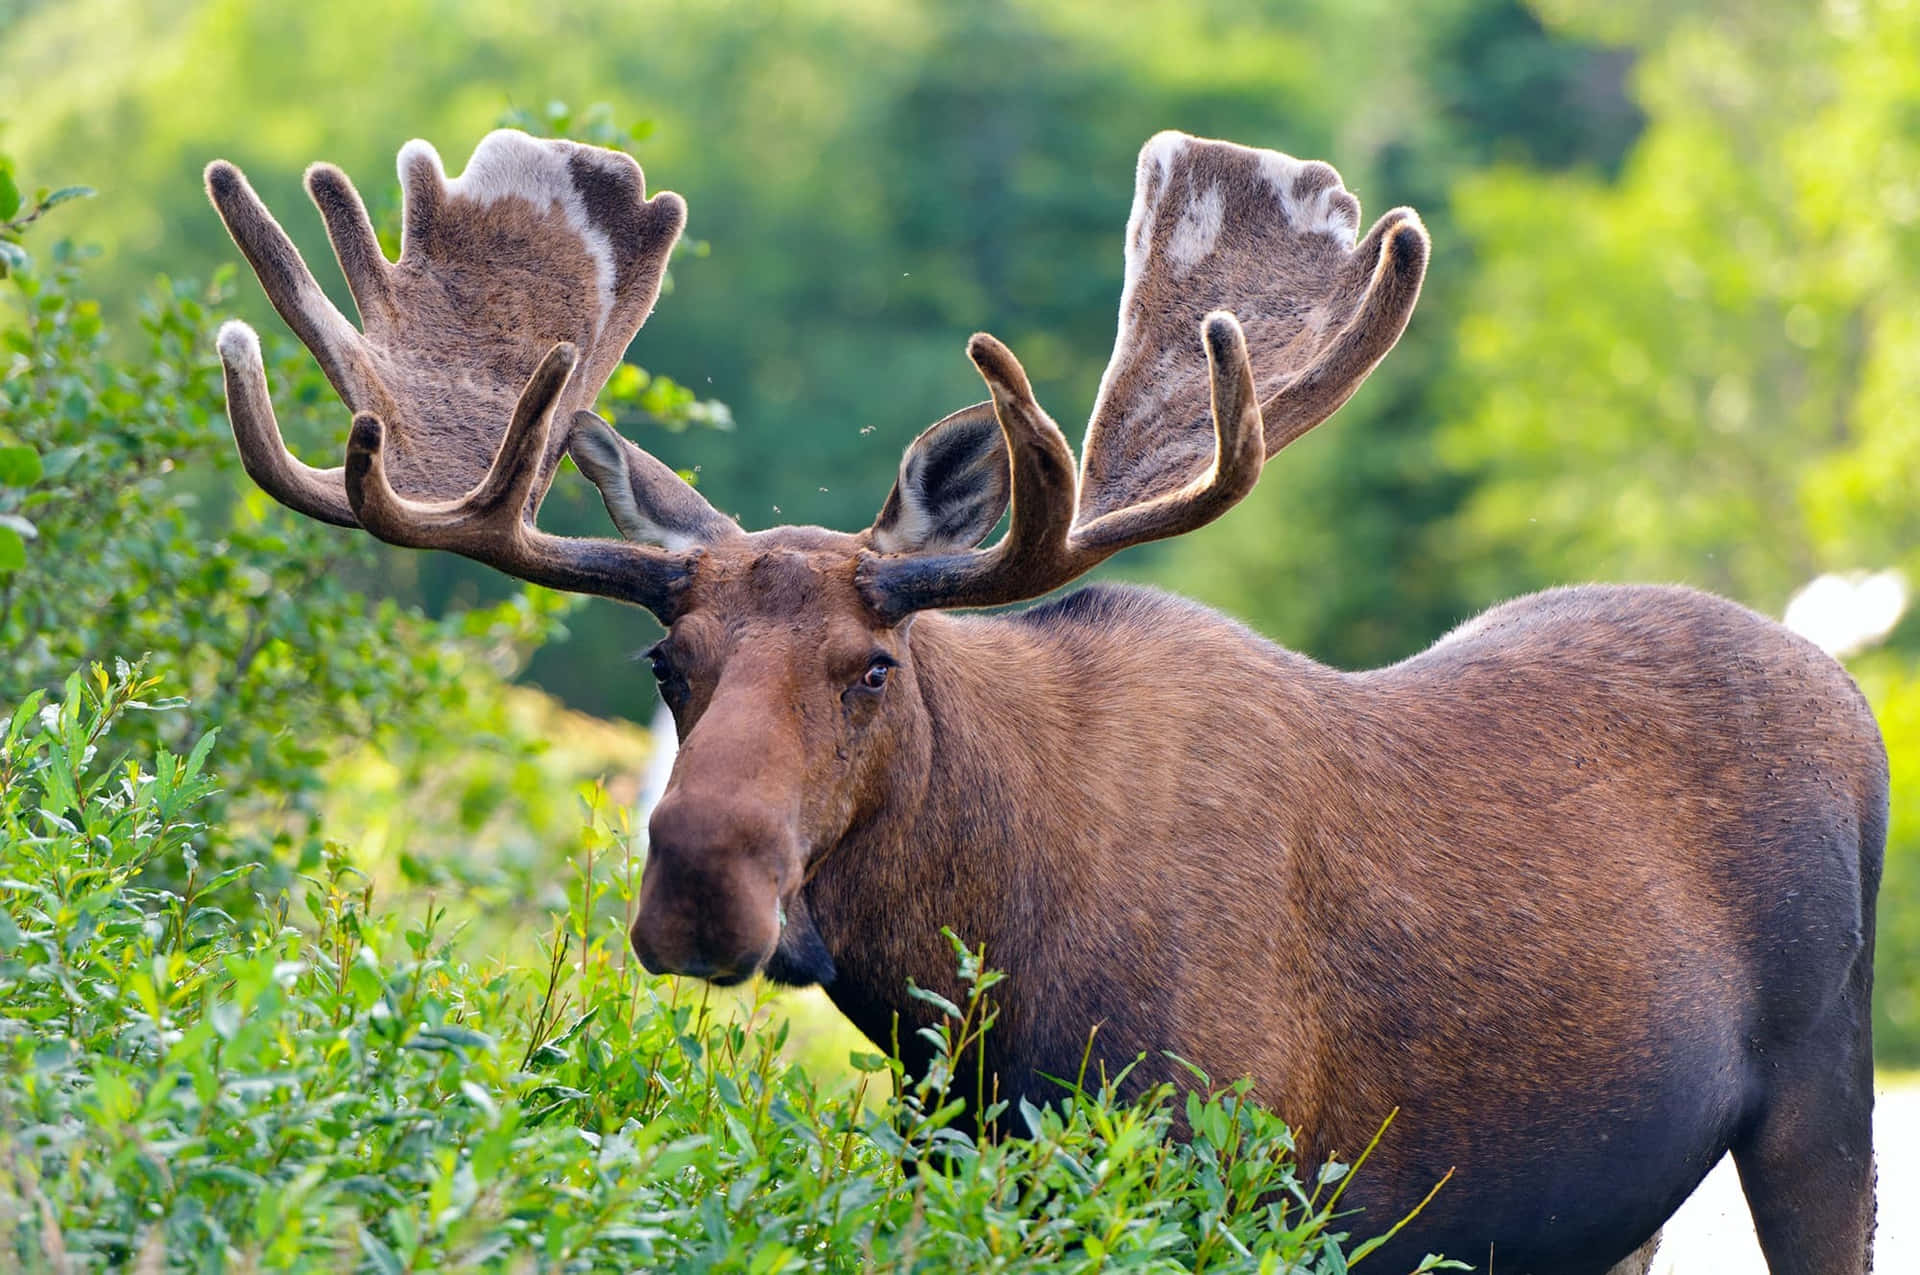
point(317, 493)
point(489, 523)
point(1032, 557)
point(368, 273)
point(1387, 268)
point(1240, 451)
point(423, 183)
point(283, 273)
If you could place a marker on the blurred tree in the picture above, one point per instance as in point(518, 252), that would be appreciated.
point(1706, 370)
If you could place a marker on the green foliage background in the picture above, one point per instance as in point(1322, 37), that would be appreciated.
point(1671, 332)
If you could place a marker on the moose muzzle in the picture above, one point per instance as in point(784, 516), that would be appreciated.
point(710, 895)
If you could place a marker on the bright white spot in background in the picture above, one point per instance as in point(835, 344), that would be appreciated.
point(1842, 614)
point(666, 743)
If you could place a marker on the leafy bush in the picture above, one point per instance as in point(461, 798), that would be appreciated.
point(316, 1082)
point(119, 466)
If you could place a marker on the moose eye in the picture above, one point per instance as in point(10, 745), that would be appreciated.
point(875, 678)
point(657, 660)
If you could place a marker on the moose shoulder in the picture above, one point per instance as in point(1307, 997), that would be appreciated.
point(1586, 890)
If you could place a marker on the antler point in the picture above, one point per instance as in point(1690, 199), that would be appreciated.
point(1220, 327)
point(222, 178)
point(1411, 232)
point(999, 368)
point(321, 171)
point(237, 343)
point(367, 435)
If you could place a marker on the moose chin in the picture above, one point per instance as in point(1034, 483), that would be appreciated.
point(1586, 890)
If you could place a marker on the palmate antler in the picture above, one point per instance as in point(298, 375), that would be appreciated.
point(518, 288)
point(1249, 315)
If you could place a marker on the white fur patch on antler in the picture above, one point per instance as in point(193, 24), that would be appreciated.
point(1327, 210)
point(1197, 231)
point(512, 165)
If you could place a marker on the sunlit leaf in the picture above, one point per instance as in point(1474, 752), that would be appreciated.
point(19, 466)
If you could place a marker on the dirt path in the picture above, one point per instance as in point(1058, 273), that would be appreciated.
point(1713, 1235)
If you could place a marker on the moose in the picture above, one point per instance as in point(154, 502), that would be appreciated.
point(1585, 890)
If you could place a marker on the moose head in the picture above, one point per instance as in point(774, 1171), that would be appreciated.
point(1251, 309)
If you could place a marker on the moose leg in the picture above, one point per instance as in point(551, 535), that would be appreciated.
point(1807, 1163)
point(1638, 1262)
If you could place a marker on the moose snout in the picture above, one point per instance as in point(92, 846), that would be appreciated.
point(710, 893)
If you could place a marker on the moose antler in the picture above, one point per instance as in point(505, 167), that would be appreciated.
point(518, 288)
point(1248, 315)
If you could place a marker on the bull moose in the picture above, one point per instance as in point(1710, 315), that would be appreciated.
point(1586, 890)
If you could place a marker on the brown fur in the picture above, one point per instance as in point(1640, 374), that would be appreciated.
point(1585, 891)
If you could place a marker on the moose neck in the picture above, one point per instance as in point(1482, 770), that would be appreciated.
point(952, 842)
point(1022, 826)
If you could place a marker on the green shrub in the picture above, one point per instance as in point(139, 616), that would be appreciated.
point(134, 532)
point(316, 1082)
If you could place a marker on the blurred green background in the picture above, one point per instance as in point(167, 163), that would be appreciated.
point(1671, 330)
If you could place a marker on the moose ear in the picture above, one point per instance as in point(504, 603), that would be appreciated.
point(953, 486)
point(648, 501)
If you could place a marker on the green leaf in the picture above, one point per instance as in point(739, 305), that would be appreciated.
point(464, 1037)
point(198, 758)
point(9, 193)
point(61, 196)
point(934, 999)
point(13, 550)
point(19, 466)
point(230, 1174)
point(384, 1259)
point(13, 258)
